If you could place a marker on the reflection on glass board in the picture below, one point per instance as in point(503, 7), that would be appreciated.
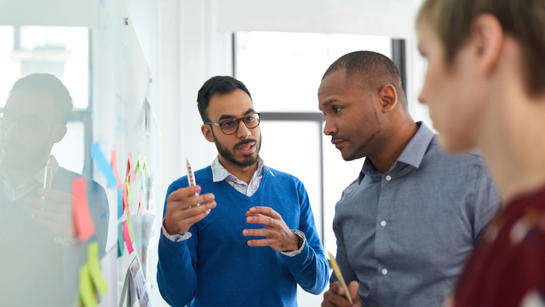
point(48, 214)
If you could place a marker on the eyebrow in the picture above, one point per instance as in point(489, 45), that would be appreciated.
point(329, 101)
point(224, 116)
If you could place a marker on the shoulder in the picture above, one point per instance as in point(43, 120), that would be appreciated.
point(435, 156)
point(280, 175)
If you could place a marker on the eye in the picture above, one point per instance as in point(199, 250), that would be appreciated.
point(228, 124)
point(336, 109)
point(249, 119)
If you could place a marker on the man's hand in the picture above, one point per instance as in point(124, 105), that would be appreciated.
point(336, 297)
point(277, 234)
point(185, 209)
point(54, 211)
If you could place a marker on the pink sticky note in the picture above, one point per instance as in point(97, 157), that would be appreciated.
point(127, 237)
point(130, 169)
point(125, 200)
point(82, 218)
point(113, 163)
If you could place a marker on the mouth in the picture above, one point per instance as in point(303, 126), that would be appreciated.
point(246, 147)
point(337, 142)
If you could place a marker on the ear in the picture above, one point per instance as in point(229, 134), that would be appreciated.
point(59, 133)
point(387, 98)
point(207, 132)
point(488, 38)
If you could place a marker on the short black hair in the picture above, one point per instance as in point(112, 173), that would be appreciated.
point(373, 66)
point(49, 88)
point(217, 85)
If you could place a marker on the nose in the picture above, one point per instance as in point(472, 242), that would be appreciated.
point(421, 97)
point(242, 131)
point(329, 127)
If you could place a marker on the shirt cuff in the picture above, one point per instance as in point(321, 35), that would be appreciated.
point(175, 237)
point(301, 235)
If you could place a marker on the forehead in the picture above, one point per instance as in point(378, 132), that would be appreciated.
point(235, 103)
point(23, 102)
point(338, 84)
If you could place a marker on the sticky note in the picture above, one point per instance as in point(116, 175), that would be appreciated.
point(130, 169)
point(124, 196)
point(129, 225)
point(82, 218)
point(103, 165)
point(113, 164)
point(129, 191)
point(120, 246)
point(141, 209)
point(94, 269)
point(86, 292)
point(119, 202)
point(339, 275)
point(146, 166)
point(127, 237)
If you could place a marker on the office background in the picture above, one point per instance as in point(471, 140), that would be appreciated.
point(119, 57)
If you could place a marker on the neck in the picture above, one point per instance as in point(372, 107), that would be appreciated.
point(244, 173)
point(392, 146)
point(512, 142)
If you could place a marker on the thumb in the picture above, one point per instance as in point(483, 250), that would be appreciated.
point(353, 291)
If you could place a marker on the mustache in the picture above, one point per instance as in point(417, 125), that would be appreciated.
point(244, 143)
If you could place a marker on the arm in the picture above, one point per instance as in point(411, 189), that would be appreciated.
point(309, 267)
point(335, 295)
point(484, 202)
point(176, 274)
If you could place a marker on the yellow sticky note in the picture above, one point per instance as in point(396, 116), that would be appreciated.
point(129, 225)
point(339, 275)
point(146, 167)
point(94, 268)
point(129, 190)
point(86, 293)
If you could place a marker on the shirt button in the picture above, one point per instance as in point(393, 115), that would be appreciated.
point(384, 272)
point(383, 223)
point(388, 178)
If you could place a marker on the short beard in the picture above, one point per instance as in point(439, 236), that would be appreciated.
point(227, 155)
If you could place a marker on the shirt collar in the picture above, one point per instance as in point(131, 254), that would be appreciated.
point(14, 192)
point(412, 154)
point(219, 172)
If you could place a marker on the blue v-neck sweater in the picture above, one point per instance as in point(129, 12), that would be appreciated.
point(216, 267)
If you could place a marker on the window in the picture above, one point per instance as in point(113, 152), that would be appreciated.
point(283, 73)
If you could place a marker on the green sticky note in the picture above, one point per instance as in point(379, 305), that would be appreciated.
point(94, 268)
point(129, 225)
point(120, 242)
point(86, 292)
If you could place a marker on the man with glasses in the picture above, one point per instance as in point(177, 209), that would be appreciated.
point(245, 235)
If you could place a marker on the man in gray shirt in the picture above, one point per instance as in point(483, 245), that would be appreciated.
point(405, 226)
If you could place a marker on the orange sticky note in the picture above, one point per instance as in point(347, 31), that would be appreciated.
point(127, 237)
point(82, 218)
point(113, 163)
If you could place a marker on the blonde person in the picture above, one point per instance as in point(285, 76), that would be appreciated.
point(485, 87)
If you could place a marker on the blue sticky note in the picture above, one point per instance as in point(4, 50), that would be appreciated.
point(119, 202)
point(103, 165)
point(120, 242)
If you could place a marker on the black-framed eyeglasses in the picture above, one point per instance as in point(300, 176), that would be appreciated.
point(230, 125)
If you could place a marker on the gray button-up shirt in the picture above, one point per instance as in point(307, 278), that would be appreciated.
point(404, 235)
